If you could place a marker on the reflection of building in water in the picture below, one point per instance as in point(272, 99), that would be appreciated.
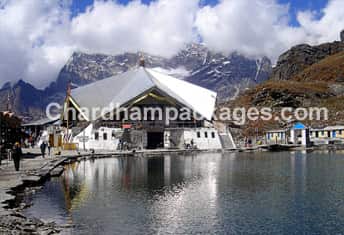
point(139, 89)
point(83, 179)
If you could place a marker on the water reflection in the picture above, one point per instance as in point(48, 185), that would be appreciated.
point(296, 192)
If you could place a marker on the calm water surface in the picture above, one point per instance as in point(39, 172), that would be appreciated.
point(234, 193)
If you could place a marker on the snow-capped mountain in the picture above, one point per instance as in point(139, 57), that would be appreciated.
point(227, 75)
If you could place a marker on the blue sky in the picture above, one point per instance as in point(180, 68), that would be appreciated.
point(295, 6)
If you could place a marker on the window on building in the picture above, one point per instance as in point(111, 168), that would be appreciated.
point(113, 135)
point(105, 136)
point(96, 135)
point(339, 132)
point(268, 136)
point(198, 134)
point(213, 135)
point(317, 134)
point(206, 134)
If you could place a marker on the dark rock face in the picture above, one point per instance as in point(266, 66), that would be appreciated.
point(300, 57)
point(342, 36)
point(82, 68)
point(276, 99)
point(285, 98)
point(25, 99)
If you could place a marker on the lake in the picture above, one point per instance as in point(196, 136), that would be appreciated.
point(231, 193)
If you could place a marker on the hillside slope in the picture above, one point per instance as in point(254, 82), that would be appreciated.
point(318, 85)
point(330, 69)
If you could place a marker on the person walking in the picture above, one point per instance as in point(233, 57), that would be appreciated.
point(16, 155)
point(43, 146)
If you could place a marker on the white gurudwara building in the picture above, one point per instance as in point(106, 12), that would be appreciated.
point(142, 88)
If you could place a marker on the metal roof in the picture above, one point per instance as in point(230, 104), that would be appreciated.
point(276, 131)
point(41, 122)
point(299, 126)
point(329, 128)
point(120, 89)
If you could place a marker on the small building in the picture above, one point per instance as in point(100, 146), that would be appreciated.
point(140, 88)
point(10, 131)
point(327, 135)
point(44, 129)
point(279, 136)
point(300, 134)
point(297, 134)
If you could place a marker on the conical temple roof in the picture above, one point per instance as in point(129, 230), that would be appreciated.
point(122, 88)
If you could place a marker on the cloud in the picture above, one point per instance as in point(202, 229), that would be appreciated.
point(261, 27)
point(326, 28)
point(162, 28)
point(28, 32)
point(38, 36)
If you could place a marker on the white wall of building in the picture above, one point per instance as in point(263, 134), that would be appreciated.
point(43, 138)
point(89, 134)
point(203, 138)
point(304, 139)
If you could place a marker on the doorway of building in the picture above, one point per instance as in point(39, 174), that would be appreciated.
point(155, 140)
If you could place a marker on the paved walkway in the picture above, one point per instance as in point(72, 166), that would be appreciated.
point(9, 178)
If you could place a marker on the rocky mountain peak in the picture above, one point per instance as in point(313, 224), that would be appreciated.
point(196, 63)
point(302, 56)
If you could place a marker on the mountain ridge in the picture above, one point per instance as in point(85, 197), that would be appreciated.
point(227, 75)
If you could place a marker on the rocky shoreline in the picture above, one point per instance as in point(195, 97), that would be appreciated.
point(17, 223)
point(29, 180)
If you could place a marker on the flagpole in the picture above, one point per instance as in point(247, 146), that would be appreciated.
point(67, 106)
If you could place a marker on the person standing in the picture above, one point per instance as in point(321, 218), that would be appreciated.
point(49, 148)
point(16, 155)
point(0, 152)
point(43, 146)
